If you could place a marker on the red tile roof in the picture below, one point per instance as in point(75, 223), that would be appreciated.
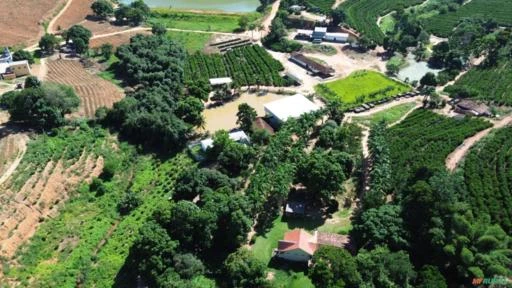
point(298, 239)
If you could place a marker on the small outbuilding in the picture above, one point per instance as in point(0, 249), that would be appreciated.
point(289, 107)
point(315, 68)
point(221, 81)
point(336, 37)
point(295, 209)
point(471, 107)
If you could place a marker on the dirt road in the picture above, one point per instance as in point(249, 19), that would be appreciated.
point(51, 30)
point(460, 152)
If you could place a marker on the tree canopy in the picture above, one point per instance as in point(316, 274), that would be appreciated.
point(42, 106)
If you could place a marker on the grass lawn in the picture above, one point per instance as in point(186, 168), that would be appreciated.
point(319, 48)
point(186, 20)
point(109, 73)
point(285, 276)
point(262, 249)
point(191, 41)
point(361, 87)
point(390, 115)
point(387, 23)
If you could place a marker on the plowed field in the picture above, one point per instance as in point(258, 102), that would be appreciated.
point(21, 21)
point(94, 92)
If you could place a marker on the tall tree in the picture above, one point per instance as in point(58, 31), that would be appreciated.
point(102, 8)
point(246, 116)
point(49, 43)
point(243, 270)
point(334, 267)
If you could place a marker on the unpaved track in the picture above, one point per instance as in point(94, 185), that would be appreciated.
point(453, 160)
point(20, 141)
point(51, 30)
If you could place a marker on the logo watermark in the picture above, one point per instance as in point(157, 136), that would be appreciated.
point(496, 280)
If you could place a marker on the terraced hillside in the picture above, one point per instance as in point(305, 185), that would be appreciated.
point(492, 84)
point(94, 92)
point(363, 14)
point(50, 170)
point(422, 142)
point(498, 10)
point(488, 178)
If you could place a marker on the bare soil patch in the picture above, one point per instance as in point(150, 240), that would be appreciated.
point(94, 91)
point(116, 39)
point(77, 11)
point(21, 21)
point(40, 198)
point(103, 27)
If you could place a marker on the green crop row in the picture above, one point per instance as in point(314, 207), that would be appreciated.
point(489, 179)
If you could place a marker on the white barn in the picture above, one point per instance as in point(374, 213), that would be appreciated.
point(290, 107)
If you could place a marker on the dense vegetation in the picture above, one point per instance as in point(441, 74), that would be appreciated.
point(158, 113)
point(424, 140)
point(490, 83)
point(250, 65)
point(323, 6)
point(442, 24)
point(487, 176)
point(41, 105)
point(490, 80)
point(362, 15)
point(361, 87)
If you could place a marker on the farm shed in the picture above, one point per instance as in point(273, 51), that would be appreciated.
point(312, 66)
point(238, 136)
point(289, 107)
point(221, 81)
point(336, 37)
point(470, 107)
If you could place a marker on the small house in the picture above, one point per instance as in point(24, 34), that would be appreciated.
point(13, 70)
point(238, 136)
point(471, 107)
point(299, 246)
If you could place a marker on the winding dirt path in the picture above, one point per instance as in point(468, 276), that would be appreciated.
point(20, 141)
point(337, 3)
point(54, 19)
point(453, 160)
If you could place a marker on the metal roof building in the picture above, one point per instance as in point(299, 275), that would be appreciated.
point(290, 107)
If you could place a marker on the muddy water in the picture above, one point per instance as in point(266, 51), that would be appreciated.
point(224, 117)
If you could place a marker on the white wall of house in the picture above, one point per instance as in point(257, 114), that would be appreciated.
point(296, 255)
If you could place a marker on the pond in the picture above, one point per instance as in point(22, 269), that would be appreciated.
point(415, 70)
point(221, 5)
point(224, 117)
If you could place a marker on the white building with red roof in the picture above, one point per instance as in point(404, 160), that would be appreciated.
point(299, 246)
